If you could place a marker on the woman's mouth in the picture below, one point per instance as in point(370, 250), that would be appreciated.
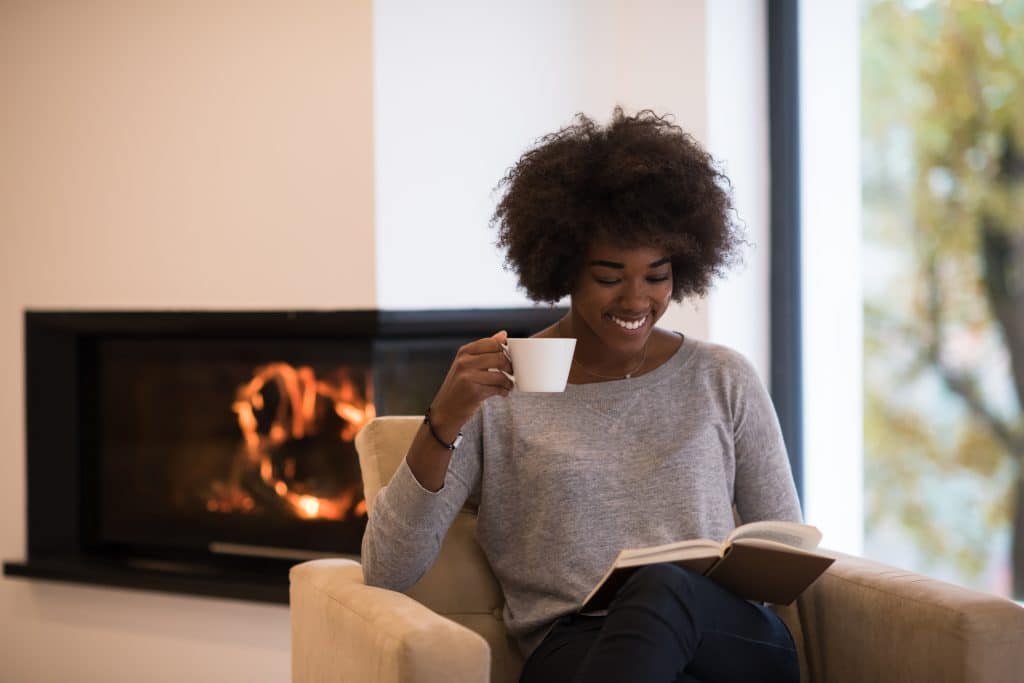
point(628, 324)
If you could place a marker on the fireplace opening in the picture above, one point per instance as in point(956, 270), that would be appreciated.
point(219, 444)
point(207, 452)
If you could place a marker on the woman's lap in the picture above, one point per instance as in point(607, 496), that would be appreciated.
point(556, 659)
point(700, 632)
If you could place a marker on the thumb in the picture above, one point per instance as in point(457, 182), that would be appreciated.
point(500, 337)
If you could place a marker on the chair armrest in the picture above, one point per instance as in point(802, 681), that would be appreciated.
point(344, 630)
point(865, 621)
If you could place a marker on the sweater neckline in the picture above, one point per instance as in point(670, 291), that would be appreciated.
point(616, 387)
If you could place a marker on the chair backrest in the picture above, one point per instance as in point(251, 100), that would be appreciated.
point(382, 445)
point(460, 585)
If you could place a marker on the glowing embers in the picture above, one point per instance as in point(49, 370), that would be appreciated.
point(296, 454)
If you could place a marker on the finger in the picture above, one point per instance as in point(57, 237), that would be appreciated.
point(485, 361)
point(509, 375)
point(491, 379)
point(490, 344)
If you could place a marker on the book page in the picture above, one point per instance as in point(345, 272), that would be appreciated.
point(789, 533)
point(773, 546)
point(668, 551)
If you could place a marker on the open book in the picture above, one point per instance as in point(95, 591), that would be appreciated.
point(765, 561)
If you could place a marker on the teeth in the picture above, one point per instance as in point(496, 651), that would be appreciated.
point(627, 324)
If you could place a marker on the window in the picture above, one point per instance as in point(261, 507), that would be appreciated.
point(912, 212)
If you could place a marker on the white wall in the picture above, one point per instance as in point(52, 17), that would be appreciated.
point(459, 89)
point(832, 298)
point(738, 306)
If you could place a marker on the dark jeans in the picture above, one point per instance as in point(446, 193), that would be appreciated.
point(668, 625)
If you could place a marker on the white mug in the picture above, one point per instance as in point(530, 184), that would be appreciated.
point(541, 364)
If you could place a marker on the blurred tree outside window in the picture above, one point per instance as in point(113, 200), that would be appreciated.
point(942, 125)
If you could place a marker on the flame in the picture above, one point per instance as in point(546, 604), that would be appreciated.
point(295, 417)
point(310, 505)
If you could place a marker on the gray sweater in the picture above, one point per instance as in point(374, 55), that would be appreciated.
point(563, 482)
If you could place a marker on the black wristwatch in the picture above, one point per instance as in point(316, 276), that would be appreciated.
point(450, 446)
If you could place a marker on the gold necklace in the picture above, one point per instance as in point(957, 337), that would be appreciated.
point(643, 357)
point(628, 375)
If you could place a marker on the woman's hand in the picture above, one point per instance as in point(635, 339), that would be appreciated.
point(476, 374)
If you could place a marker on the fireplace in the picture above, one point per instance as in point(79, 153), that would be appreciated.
point(207, 452)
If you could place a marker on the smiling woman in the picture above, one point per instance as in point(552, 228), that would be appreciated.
point(623, 219)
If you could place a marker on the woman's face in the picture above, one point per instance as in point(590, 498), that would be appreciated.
point(620, 294)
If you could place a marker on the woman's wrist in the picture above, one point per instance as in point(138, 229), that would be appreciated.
point(428, 460)
point(444, 424)
point(450, 444)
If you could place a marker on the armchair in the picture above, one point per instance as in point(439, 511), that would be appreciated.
point(861, 621)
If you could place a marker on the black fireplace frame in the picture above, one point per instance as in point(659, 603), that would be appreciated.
point(59, 522)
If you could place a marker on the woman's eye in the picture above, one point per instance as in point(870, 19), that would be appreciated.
point(609, 283)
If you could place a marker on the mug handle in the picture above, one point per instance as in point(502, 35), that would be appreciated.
point(511, 377)
point(508, 355)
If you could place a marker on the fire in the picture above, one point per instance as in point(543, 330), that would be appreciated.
point(310, 505)
point(295, 417)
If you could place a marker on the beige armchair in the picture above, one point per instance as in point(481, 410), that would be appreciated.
point(861, 621)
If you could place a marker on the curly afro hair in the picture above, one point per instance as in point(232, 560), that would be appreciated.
point(639, 182)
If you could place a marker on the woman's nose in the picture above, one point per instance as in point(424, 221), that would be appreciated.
point(634, 297)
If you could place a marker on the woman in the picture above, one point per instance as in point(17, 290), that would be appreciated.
point(654, 440)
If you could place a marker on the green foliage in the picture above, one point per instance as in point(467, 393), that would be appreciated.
point(942, 108)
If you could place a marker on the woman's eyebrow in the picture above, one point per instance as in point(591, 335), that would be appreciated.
point(616, 264)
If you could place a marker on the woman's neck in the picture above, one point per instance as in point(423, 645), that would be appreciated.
point(661, 345)
point(595, 361)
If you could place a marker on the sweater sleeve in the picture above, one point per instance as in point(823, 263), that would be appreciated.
point(764, 487)
point(408, 522)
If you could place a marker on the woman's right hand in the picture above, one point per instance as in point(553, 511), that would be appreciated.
point(472, 379)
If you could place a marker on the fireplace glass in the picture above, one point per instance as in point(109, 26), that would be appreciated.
point(218, 443)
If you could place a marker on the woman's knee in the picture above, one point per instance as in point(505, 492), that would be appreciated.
point(663, 604)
